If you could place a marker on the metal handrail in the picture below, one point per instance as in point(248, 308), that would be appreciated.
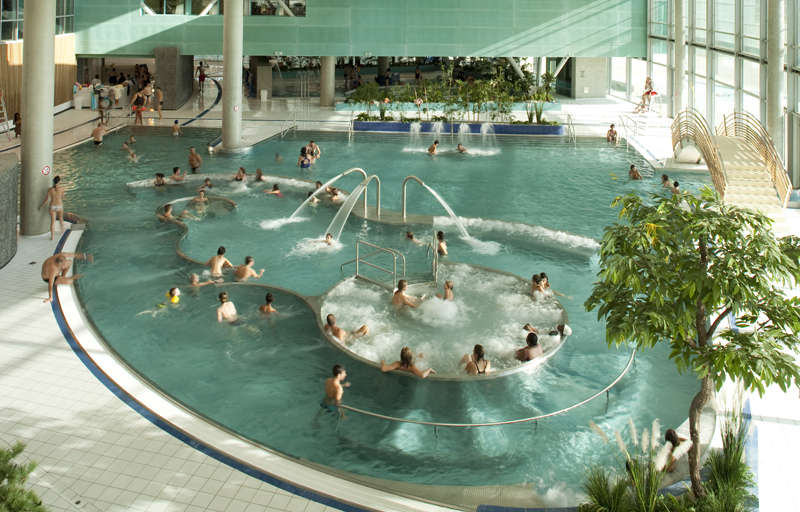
point(498, 423)
point(690, 124)
point(746, 126)
point(571, 130)
point(362, 260)
point(403, 199)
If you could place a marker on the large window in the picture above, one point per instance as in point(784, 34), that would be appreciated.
point(751, 26)
point(724, 23)
point(659, 18)
point(619, 76)
point(12, 11)
point(700, 20)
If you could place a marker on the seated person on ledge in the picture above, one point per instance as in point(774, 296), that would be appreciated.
point(339, 333)
point(159, 181)
point(476, 363)
point(532, 350)
point(400, 299)
point(194, 280)
point(611, 135)
point(55, 268)
point(673, 439)
point(406, 364)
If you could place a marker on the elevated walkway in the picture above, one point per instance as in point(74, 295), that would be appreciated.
point(741, 158)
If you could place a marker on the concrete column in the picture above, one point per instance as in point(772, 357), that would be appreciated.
point(38, 93)
point(679, 63)
point(327, 81)
point(542, 68)
point(776, 78)
point(232, 75)
point(174, 76)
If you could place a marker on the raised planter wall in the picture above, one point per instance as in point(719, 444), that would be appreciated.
point(499, 129)
point(432, 107)
point(9, 186)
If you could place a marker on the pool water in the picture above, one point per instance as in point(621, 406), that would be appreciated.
point(263, 378)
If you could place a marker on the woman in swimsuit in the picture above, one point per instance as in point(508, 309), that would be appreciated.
point(55, 195)
point(476, 364)
point(406, 364)
point(241, 175)
point(304, 161)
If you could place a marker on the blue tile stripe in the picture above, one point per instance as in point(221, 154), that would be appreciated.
point(206, 111)
point(172, 429)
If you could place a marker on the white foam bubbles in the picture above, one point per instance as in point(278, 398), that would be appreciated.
point(483, 247)
point(309, 246)
point(279, 223)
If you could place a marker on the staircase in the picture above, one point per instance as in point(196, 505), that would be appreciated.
point(749, 182)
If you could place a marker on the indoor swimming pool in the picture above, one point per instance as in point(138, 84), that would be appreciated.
point(530, 205)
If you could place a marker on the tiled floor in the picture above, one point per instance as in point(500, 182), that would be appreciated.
point(96, 453)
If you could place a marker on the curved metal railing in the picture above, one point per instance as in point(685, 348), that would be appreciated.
point(746, 126)
point(690, 124)
point(499, 423)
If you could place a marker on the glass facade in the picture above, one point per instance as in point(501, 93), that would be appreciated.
point(12, 11)
point(725, 61)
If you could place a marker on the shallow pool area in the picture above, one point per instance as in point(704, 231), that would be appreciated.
point(540, 204)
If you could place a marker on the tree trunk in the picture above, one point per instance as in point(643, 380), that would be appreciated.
point(698, 402)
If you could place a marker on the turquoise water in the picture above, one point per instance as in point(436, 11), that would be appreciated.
point(263, 378)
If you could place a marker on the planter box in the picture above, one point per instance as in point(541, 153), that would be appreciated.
point(426, 127)
point(432, 107)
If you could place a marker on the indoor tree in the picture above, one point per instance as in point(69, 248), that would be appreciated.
point(673, 269)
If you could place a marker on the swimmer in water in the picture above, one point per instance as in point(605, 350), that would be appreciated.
point(318, 185)
point(176, 129)
point(546, 284)
point(339, 333)
point(244, 272)
point(173, 296)
point(334, 387)
point(328, 239)
point(259, 175)
point(676, 188)
point(200, 197)
point(314, 199)
point(160, 180)
point(334, 194)
point(448, 291)
point(206, 185)
point(194, 281)
point(537, 286)
point(304, 161)
point(276, 191)
point(532, 349)
point(131, 140)
point(406, 364)
point(433, 147)
point(176, 174)
point(441, 246)
point(167, 215)
point(226, 312)
point(313, 151)
point(278, 157)
point(476, 363)
point(267, 308)
point(400, 299)
point(218, 262)
point(633, 173)
point(410, 236)
point(460, 148)
point(241, 175)
point(665, 183)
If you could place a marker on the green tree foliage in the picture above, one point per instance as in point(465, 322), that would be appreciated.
point(673, 269)
point(14, 497)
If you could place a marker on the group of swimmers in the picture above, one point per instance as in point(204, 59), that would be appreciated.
point(309, 154)
point(433, 149)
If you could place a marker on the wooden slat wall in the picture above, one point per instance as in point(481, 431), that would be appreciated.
point(11, 72)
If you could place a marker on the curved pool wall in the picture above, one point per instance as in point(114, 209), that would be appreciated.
point(234, 362)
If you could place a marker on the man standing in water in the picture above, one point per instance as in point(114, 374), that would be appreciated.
point(334, 387)
point(245, 272)
point(97, 133)
point(195, 161)
point(55, 195)
point(433, 147)
point(55, 268)
point(218, 262)
point(226, 312)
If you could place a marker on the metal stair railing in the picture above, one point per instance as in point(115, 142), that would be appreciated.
point(746, 126)
point(690, 124)
point(571, 130)
point(362, 260)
